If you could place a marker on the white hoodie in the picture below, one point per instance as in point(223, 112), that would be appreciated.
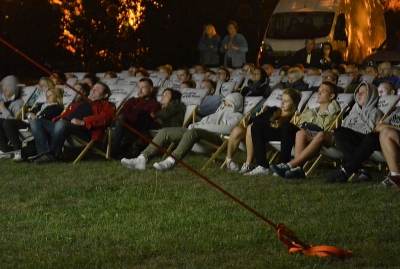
point(225, 118)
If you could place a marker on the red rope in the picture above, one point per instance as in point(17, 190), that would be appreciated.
point(285, 235)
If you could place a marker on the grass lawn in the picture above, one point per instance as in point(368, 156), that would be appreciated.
point(99, 215)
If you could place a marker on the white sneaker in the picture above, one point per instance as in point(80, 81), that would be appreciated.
point(17, 156)
point(231, 165)
point(245, 168)
point(138, 163)
point(258, 171)
point(6, 155)
point(168, 163)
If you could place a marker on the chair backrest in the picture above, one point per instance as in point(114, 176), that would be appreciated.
point(129, 81)
point(274, 99)
point(68, 95)
point(344, 81)
point(27, 92)
point(110, 81)
point(188, 113)
point(367, 78)
point(193, 96)
point(345, 100)
point(274, 80)
point(79, 75)
point(313, 80)
point(305, 96)
point(250, 103)
point(119, 93)
point(387, 102)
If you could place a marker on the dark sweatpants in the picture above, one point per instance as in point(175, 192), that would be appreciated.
point(356, 147)
point(262, 133)
point(9, 132)
point(288, 131)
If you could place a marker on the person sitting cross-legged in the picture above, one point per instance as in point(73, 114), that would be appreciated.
point(86, 119)
point(209, 128)
point(311, 134)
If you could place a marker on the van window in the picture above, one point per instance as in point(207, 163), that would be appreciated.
point(340, 29)
point(300, 25)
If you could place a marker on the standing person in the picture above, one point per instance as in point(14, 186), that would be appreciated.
point(208, 46)
point(234, 46)
point(328, 57)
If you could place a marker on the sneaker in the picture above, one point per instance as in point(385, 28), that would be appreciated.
point(296, 172)
point(258, 171)
point(363, 175)
point(17, 156)
point(280, 169)
point(338, 175)
point(6, 155)
point(45, 158)
point(245, 168)
point(138, 163)
point(165, 165)
point(231, 165)
point(391, 181)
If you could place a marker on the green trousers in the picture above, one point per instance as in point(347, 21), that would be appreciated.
point(184, 138)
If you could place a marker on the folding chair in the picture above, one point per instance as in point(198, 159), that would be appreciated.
point(250, 103)
point(192, 98)
point(313, 81)
point(224, 88)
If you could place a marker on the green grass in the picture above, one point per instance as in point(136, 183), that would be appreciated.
point(100, 215)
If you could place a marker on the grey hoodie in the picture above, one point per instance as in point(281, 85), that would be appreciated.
point(364, 119)
point(16, 103)
point(225, 118)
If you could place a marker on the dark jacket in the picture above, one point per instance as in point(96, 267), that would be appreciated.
point(259, 88)
point(134, 108)
point(172, 115)
point(208, 49)
point(300, 57)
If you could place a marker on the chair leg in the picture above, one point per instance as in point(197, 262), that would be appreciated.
point(273, 157)
point(315, 163)
point(84, 151)
point(169, 150)
point(108, 151)
point(215, 155)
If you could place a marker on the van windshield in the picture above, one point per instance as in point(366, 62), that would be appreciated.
point(300, 25)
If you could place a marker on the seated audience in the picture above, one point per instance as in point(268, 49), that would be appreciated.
point(211, 102)
point(86, 119)
point(258, 84)
point(295, 80)
point(356, 138)
point(309, 134)
point(135, 113)
point(209, 129)
point(264, 128)
point(385, 74)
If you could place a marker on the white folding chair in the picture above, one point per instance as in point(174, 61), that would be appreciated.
point(344, 81)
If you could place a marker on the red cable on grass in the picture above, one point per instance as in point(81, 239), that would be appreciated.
point(285, 235)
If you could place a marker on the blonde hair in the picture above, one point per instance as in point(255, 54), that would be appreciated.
point(211, 28)
point(58, 94)
point(296, 73)
point(49, 83)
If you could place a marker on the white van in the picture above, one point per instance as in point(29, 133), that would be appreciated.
point(353, 27)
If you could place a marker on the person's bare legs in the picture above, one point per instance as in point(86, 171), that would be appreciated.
point(249, 146)
point(237, 134)
point(390, 145)
point(301, 142)
point(310, 150)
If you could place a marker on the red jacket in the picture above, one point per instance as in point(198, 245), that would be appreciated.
point(135, 107)
point(103, 115)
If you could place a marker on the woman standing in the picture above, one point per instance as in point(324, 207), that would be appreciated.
point(208, 46)
point(234, 46)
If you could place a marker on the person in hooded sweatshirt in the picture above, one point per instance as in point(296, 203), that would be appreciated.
point(209, 128)
point(11, 105)
point(356, 138)
point(258, 85)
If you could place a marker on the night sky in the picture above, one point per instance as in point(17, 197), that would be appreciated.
point(171, 33)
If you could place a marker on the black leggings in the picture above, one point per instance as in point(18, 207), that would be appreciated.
point(356, 147)
point(262, 133)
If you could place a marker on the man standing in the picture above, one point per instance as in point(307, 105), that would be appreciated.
point(306, 56)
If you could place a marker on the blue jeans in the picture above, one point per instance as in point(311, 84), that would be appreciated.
point(50, 136)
